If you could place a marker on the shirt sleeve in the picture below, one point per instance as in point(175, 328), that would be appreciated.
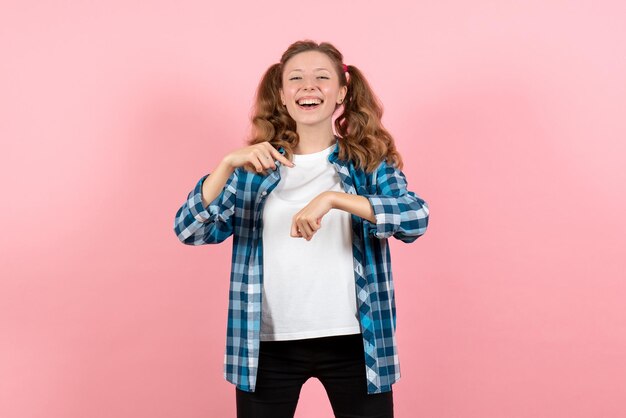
point(195, 224)
point(399, 212)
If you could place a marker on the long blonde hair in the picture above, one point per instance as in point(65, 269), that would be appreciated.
point(364, 140)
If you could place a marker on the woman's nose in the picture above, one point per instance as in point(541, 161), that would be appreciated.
point(310, 82)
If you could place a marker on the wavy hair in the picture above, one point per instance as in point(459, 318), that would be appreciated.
point(364, 140)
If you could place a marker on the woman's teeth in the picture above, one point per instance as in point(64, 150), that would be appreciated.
point(309, 103)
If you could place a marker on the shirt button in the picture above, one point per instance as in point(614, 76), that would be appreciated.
point(263, 193)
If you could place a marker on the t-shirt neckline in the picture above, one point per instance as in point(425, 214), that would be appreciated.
point(314, 155)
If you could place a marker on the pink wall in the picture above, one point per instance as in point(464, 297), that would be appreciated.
point(511, 121)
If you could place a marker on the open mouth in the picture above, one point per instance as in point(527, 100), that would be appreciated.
point(309, 104)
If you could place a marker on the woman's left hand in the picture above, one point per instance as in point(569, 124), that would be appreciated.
point(308, 220)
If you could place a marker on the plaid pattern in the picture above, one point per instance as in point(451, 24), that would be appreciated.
point(237, 211)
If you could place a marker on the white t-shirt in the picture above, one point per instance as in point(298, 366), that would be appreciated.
point(308, 286)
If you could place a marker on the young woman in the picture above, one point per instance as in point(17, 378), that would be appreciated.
point(310, 212)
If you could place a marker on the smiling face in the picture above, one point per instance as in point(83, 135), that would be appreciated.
point(311, 75)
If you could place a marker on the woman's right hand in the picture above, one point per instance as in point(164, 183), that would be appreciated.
point(256, 158)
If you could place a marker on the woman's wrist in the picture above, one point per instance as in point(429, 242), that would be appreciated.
point(355, 204)
point(331, 198)
point(225, 164)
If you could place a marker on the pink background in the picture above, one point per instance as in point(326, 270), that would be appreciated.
point(511, 121)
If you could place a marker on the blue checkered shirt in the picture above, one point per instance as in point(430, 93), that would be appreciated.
point(237, 211)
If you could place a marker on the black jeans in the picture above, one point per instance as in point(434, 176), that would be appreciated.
point(337, 362)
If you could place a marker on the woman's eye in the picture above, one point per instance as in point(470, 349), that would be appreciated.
point(297, 78)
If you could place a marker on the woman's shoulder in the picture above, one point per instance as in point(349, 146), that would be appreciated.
point(248, 180)
point(382, 166)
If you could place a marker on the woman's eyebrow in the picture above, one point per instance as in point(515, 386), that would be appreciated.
point(314, 69)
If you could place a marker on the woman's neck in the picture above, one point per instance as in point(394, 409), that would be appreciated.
point(314, 139)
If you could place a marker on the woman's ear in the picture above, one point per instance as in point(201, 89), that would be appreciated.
point(342, 94)
point(344, 89)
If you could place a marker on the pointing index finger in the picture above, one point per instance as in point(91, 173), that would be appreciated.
point(280, 157)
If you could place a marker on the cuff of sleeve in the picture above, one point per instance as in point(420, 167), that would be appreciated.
point(387, 214)
point(197, 209)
